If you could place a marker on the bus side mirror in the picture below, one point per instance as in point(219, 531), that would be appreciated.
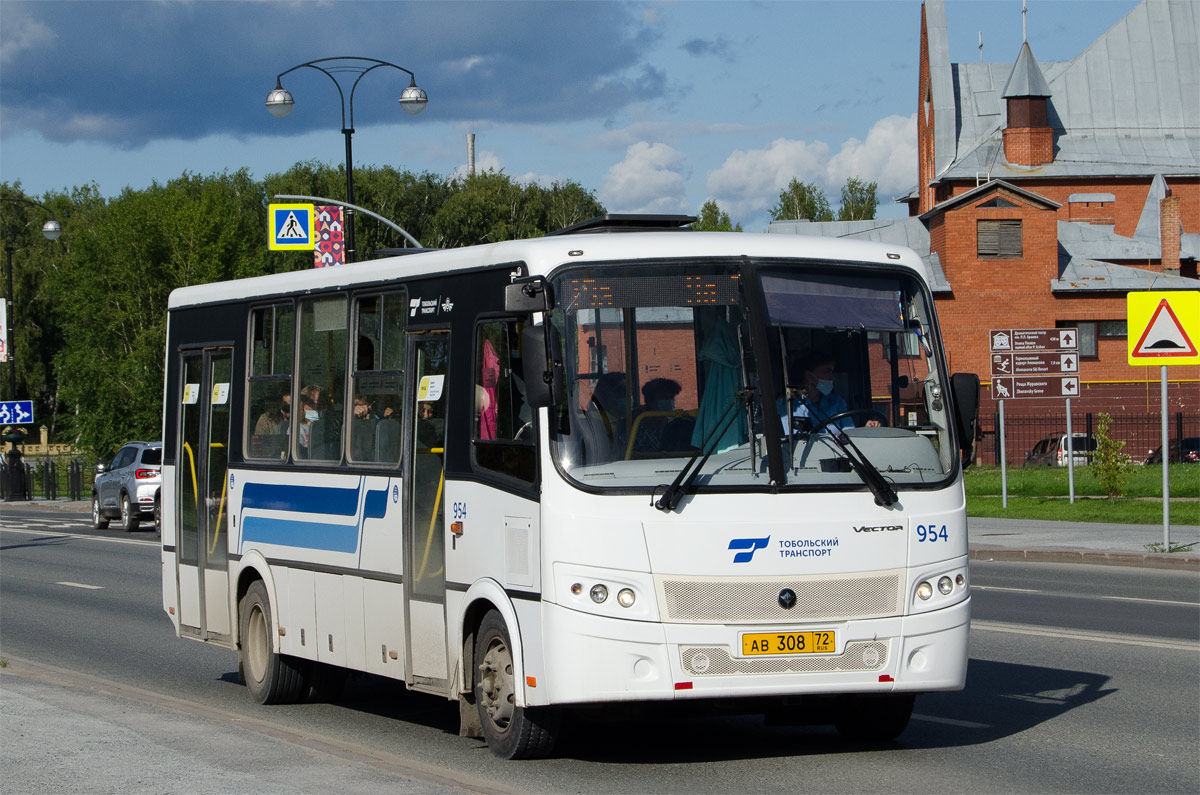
point(542, 365)
point(530, 294)
point(965, 389)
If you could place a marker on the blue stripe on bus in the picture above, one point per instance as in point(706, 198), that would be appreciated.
point(306, 535)
point(300, 499)
point(375, 506)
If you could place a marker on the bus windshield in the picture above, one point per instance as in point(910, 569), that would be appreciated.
point(671, 362)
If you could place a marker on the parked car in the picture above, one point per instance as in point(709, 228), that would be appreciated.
point(1052, 450)
point(127, 487)
point(1191, 452)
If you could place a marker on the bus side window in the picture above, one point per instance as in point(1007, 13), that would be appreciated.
point(268, 408)
point(503, 428)
point(320, 417)
point(378, 378)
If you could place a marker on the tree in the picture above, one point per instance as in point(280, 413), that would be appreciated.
point(713, 219)
point(802, 200)
point(1110, 465)
point(858, 200)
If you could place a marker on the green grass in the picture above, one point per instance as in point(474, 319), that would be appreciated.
point(1041, 493)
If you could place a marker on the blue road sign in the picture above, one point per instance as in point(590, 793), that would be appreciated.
point(16, 412)
point(291, 227)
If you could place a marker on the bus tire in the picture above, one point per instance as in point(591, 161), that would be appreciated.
point(98, 520)
point(874, 718)
point(511, 732)
point(271, 678)
point(129, 518)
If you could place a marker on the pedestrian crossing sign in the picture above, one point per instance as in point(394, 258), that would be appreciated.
point(1164, 327)
point(292, 227)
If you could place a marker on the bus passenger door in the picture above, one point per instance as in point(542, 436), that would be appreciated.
point(424, 534)
point(201, 488)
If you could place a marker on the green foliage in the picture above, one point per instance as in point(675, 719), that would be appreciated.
point(713, 219)
point(1110, 466)
point(91, 320)
point(858, 200)
point(800, 200)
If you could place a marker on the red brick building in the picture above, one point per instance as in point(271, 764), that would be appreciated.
point(1047, 192)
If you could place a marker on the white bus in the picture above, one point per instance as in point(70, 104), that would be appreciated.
point(596, 467)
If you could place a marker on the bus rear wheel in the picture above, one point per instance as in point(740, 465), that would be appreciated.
point(271, 678)
point(511, 732)
point(874, 718)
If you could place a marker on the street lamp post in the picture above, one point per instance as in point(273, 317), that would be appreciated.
point(280, 103)
point(52, 229)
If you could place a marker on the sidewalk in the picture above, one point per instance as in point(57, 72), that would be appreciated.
point(990, 539)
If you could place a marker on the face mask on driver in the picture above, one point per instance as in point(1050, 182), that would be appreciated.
point(824, 387)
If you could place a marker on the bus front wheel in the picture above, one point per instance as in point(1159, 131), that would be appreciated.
point(872, 718)
point(511, 732)
point(271, 678)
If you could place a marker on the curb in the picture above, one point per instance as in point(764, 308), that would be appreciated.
point(1143, 560)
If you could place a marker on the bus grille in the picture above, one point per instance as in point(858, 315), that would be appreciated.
point(715, 661)
point(756, 601)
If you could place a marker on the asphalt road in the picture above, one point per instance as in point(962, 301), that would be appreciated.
point(1082, 679)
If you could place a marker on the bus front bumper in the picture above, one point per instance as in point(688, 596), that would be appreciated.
point(591, 658)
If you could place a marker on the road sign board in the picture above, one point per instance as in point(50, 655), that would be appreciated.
point(1164, 327)
point(1051, 363)
point(291, 227)
point(16, 412)
point(1034, 387)
point(1033, 339)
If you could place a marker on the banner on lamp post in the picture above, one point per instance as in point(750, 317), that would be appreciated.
point(3, 331)
point(330, 246)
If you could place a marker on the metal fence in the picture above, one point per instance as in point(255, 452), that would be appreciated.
point(46, 478)
point(1140, 432)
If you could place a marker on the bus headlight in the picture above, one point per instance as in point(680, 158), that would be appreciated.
point(924, 590)
point(626, 597)
point(599, 593)
point(945, 586)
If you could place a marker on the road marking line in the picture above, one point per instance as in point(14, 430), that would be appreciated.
point(1076, 634)
point(964, 724)
point(81, 585)
point(1084, 596)
point(80, 536)
point(1151, 601)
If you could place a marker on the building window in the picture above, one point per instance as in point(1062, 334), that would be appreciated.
point(999, 239)
point(1091, 331)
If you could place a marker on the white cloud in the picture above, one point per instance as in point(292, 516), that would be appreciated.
point(651, 179)
point(750, 181)
point(22, 32)
point(463, 65)
point(888, 157)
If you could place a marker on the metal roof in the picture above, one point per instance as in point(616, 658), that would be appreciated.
point(1026, 80)
point(1090, 275)
point(1128, 105)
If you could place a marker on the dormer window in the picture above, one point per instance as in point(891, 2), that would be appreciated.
point(998, 239)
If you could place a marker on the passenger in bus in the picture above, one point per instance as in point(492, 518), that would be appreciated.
point(387, 433)
point(362, 429)
point(814, 394)
point(430, 427)
point(275, 420)
point(310, 407)
point(658, 395)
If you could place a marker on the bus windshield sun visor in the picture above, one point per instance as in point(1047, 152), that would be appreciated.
point(835, 301)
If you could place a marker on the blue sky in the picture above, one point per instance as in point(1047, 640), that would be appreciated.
point(655, 106)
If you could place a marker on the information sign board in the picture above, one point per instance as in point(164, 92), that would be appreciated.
point(1034, 339)
point(16, 412)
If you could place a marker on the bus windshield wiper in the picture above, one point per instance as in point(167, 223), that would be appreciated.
point(687, 476)
point(885, 495)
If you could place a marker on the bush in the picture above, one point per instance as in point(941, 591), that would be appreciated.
point(1109, 465)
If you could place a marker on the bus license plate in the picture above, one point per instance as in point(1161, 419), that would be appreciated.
point(789, 643)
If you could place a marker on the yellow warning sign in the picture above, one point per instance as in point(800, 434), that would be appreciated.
point(1164, 327)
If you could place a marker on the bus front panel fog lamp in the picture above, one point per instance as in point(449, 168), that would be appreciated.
point(626, 597)
point(924, 590)
point(945, 586)
point(599, 593)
